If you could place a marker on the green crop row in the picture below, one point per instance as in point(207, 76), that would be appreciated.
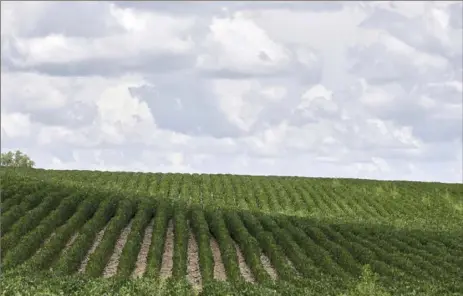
point(28, 222)
point(98, 260)
point(201, 231)
point(27, 203)
point(319, 255)
point(293, 251)
point(34, 239)
point(53, 248)
point(270, 247)
point(317, 234)
point(350, 199)
point(219, 229)
point(249, 246)
point(154, 260)
point(16, 197)
point(131, 249)
point(69, 262)
point(180, 256)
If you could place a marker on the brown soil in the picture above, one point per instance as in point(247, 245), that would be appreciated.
point(268, 267)
point(140, 266)
point(49, 238)
point(244, 268)
point(97, 241)
point(70, 242)
point(111, 268)
point(167, 257)
point(45, 242)
point(291, 265)
point(219, 268)
point(194, 273)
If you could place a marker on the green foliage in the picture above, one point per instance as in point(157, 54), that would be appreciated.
point(201, 232)
point(129, 254)
point(249, 246)
point(368, 285)
point(69, 262)
point(180, 242)
point(161, 219)
point(54, 285)
point(16, 159)
point(100, 257)
point(52, 249)
point(27, 202)
point(317, 233)
point(31, 242)
point(219, 230)
point(29, 222)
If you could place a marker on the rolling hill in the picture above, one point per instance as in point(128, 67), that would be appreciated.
point(123, 233)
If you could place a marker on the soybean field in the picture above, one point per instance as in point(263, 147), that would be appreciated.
point(124, 233)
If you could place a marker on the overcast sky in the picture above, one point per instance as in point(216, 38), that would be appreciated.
point(363, 90)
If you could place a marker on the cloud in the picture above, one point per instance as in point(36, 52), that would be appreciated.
point(224, 50)
point(16, 125)
point(366, 89)
point(131, 40)
point(412, 72)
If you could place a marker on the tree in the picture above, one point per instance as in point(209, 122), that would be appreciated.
point(16, 159)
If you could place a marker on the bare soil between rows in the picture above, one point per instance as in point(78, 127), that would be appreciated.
point(111, 267)
point(140, 265)
point(246, 272)
point(167, 262)
point(193, 270)
point(219, 268)
point(96, 242)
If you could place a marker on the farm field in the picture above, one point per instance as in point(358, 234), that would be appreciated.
point(122, 233)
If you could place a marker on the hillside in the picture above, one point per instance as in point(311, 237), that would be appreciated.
point(90, 233)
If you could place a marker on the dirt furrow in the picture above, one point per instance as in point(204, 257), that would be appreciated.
point(268, 267)
point(194, 273)
point(142, 258)
point(291, 265)
point(97, 241)
point(219, 268)
point(167, 258)
point(111, 268)
point(70, 242)
point(244, 268)
point(45, 242)
point(49, 238)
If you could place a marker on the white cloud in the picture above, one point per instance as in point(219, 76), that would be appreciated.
point(244, 102)
point(129, 39)
point(366, 89)
point(225, 51)
point(15, 125)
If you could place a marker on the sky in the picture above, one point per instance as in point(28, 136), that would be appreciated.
point(320, 89)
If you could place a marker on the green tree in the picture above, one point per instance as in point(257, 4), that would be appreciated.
point(16, 159)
